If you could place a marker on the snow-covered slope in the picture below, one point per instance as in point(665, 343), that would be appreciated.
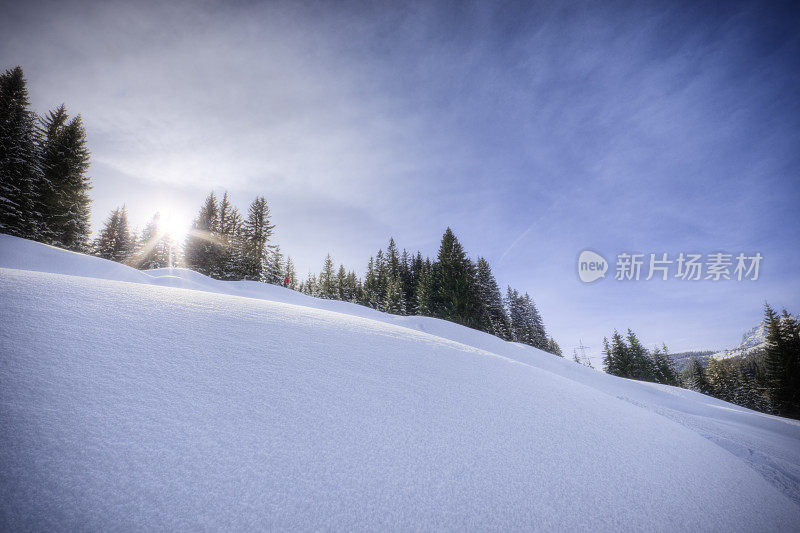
point(128, 402)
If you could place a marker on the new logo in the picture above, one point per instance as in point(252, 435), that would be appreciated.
point(591, 266)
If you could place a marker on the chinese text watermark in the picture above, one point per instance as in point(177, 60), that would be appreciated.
point(718, 266)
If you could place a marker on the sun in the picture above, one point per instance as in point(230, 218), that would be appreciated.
point(172, 225)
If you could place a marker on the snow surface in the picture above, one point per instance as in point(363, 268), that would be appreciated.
point(129, 402)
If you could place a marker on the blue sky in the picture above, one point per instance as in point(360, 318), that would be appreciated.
point(534, 130)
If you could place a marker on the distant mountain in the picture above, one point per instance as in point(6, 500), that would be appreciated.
point(753, 341)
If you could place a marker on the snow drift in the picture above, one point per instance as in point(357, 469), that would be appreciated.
point(129, 402)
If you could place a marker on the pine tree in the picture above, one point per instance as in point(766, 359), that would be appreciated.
point(310, 286)
point(617, 357)
point(381, 281)
point(696, 378)
point(535, 326)
point(422, 295)
point(234, 243)
point(409, 282)
point(343, 291)
point(641, 365)
point(354, 291)
point(115, 241)
point(276, 269)
point(515, 315)
point(392, 261)
point(782, 362)
point(327, 280)
point(227, 260)
point(664, 367)
point(257, 232)
point(526, 322)
point(65, 202)
point(372, 295)
point(395, 300)
point(790, 332)
point(291, 274)
point(21, 176)
point(554, 348)
point(202, 251)
point(494, 319)
point(454, 296)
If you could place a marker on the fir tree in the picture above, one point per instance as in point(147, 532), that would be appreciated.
point(515, 315)
point(640, 365)
point(392, 261)
point(257, 232)
point(227, 250)
point(310, 286)
point(782, 362)
point(395, 300)
point(291, 274)
point(422, 295)
point(526, 322)
point(327, 280)
point(664, 367)
point(696, 378)
point(554, 348)
point(276, 269)
point(21, 176)
point(494, 319)
point(454, 295)
point(372, 295)
point(115, 241)
point(616, 356)
point(343, 291)
point(353, 293)
point(409, 282)
point(65, 202)
point(202, 248)
point(381, 281)
point(234, 242)
point(535, 324)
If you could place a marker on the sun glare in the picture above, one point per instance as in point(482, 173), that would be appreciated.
point(172, 225)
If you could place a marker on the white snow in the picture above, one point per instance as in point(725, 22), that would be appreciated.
point(128, 402)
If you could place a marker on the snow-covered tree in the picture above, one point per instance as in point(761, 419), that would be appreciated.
point(64, 194)
point(395, 300)
point(115, 241)
point(554, 348)
point(276, 270)
point(21, 174)
point(290, 273)
point(202, 251)
point(257, 233)
point(327, 280)
point(494, 319)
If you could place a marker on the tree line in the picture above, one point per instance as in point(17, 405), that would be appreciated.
point(627, 357)
point(451, 287)
point(766, 381)
point(225, 245)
